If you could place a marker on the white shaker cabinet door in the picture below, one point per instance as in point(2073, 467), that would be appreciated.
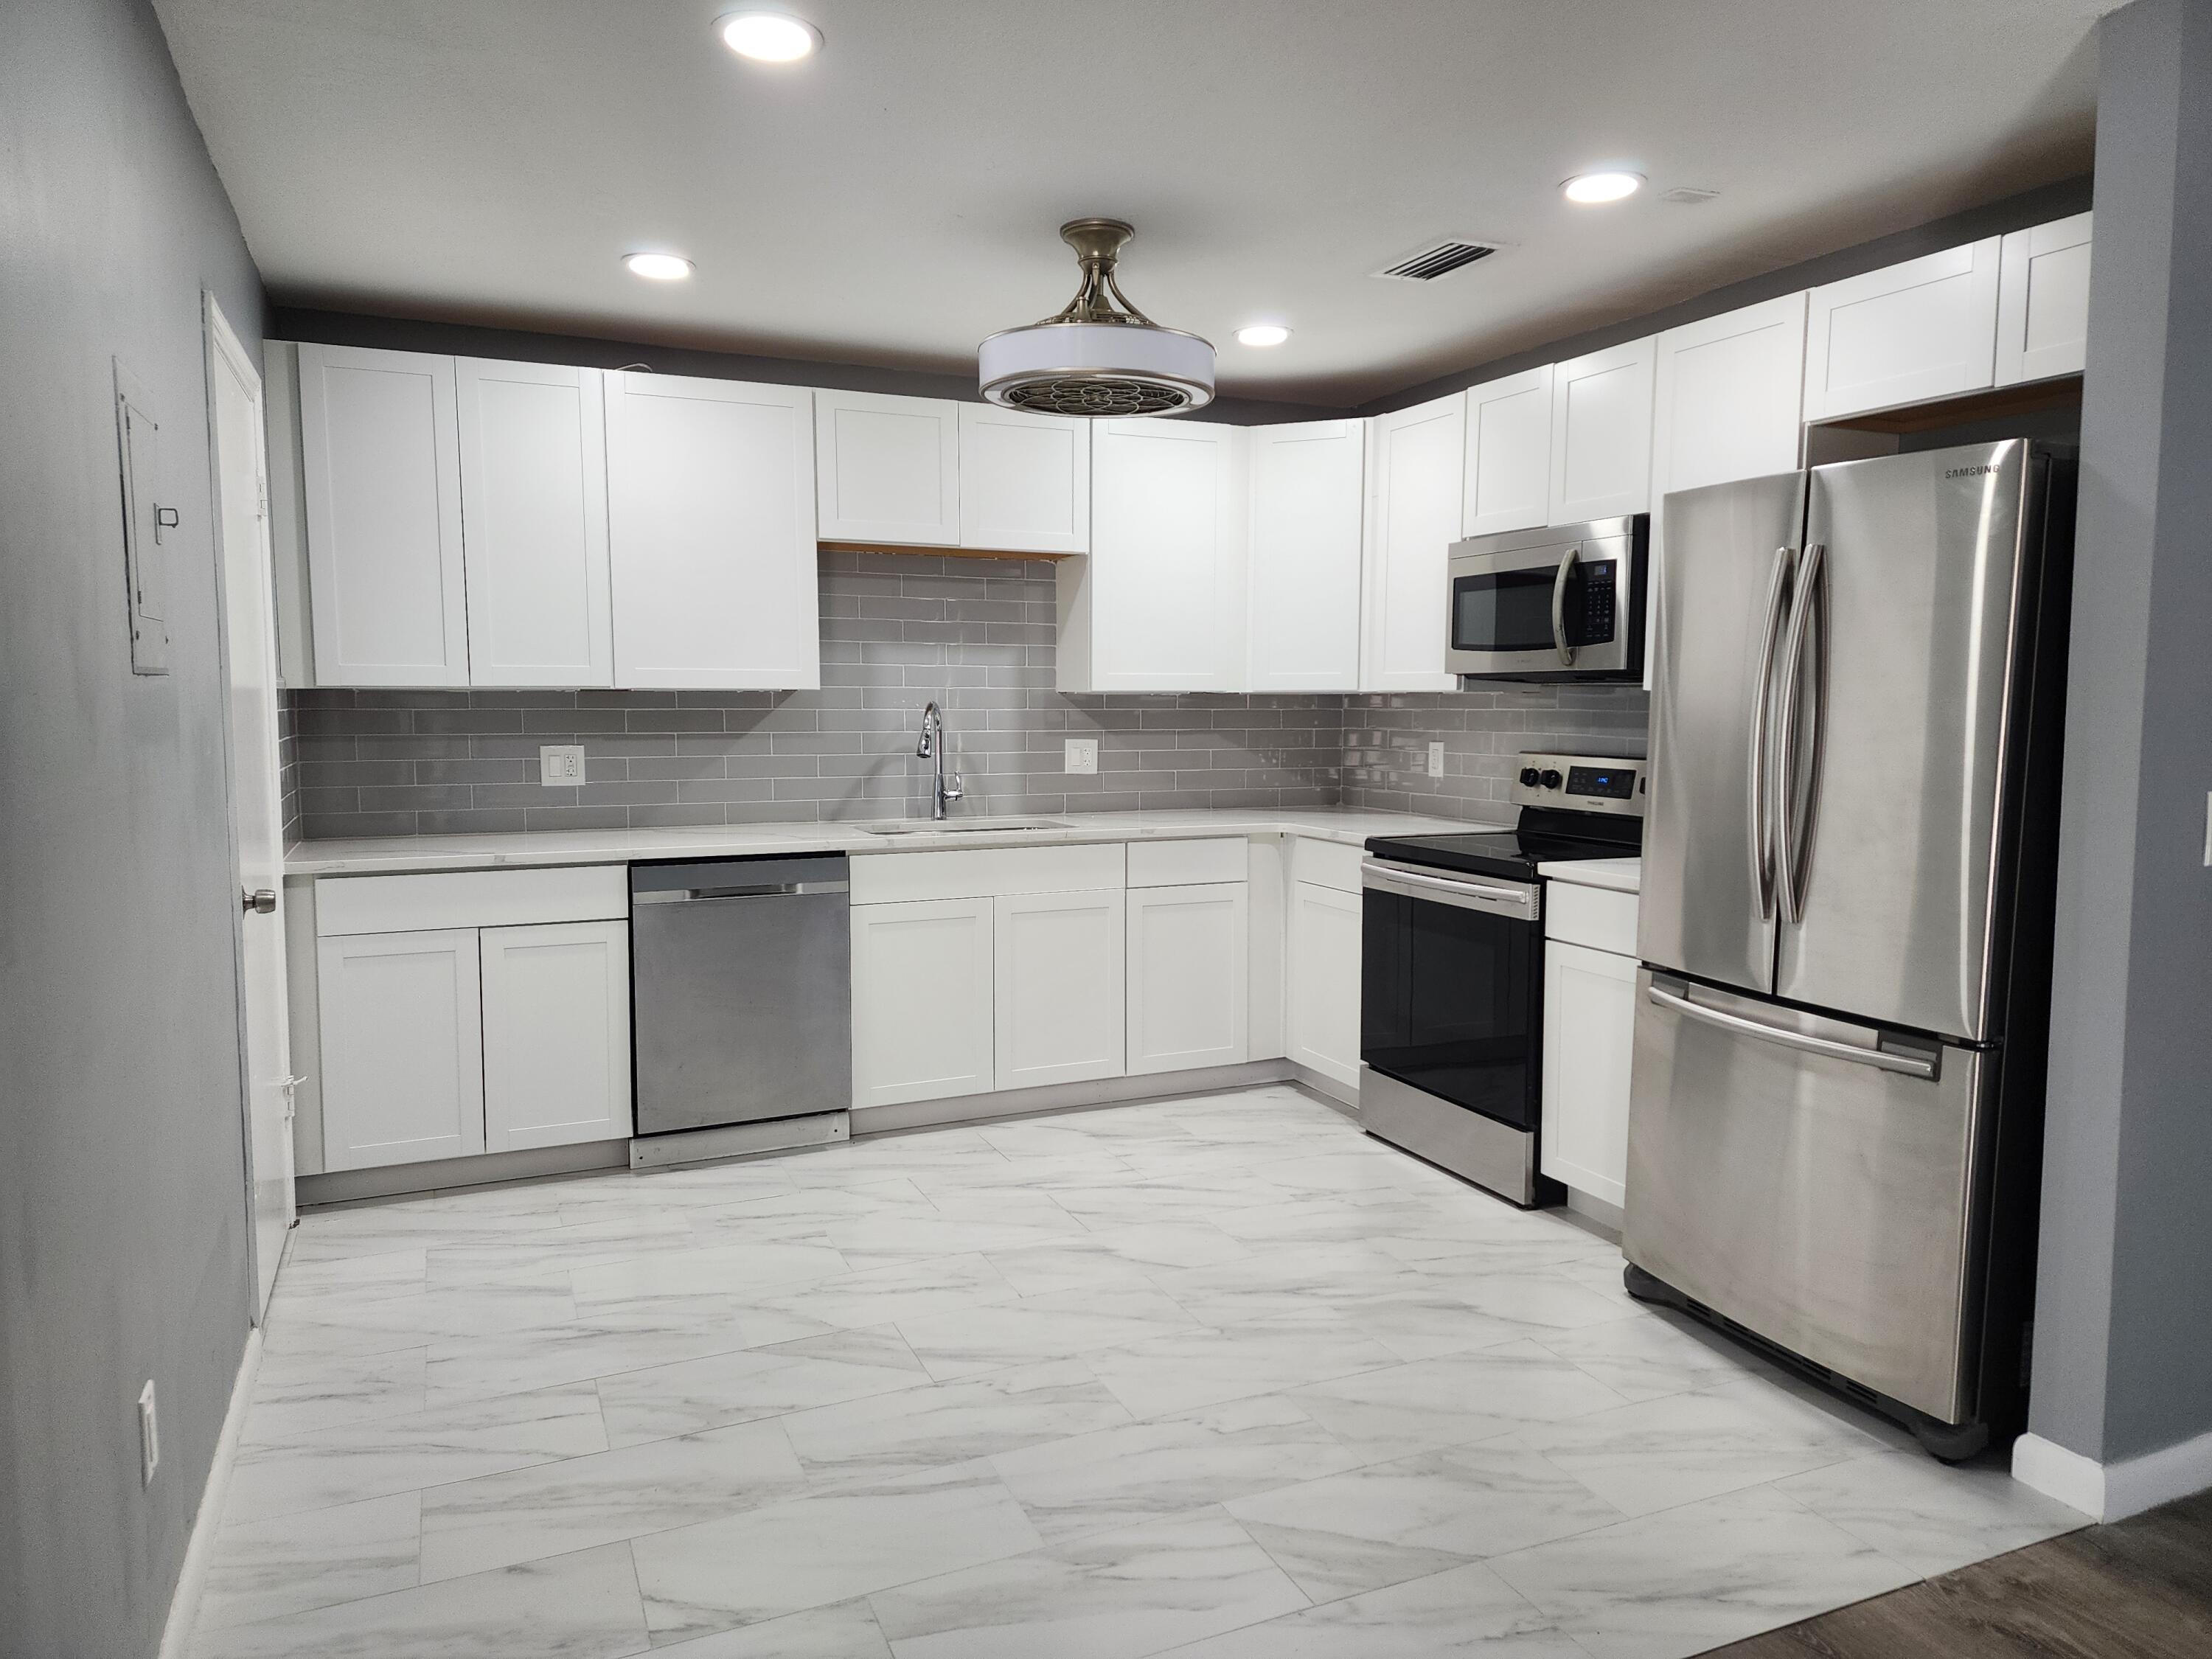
point(1324, 997)
point(1906, 334)
point(922, 1000)
point(1414, 487)
point(534, 524)
point(1188, 979)
point(1304, 566)
point(380, 463)
point(1060, 988)
point(1508, 454)
point(887, 469)
point(1602, 434)
point(1158, 604)
point(2043, 302)
point(1589, 1029)
point(401, 1022)
point(1024, 481)
point(555, 1034)
point(710, 510)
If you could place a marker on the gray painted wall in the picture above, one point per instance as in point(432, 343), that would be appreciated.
point(2123, 1311)
point(123, 1239)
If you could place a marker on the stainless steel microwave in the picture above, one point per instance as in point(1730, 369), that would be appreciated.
point(1562, 604)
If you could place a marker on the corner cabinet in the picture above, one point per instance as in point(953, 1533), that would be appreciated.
point(1414, 512)
point(1303, 570)
point(1906, 334)
point(711, 533)
point(1158, 604)
point(887, 469)
point(381, 474)
point(2043, 302)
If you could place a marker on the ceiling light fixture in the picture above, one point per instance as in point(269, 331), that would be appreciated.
point(768, 37)
point(658, 267)
point(1593, 189)
point(1262, 334)
point(1098, 354)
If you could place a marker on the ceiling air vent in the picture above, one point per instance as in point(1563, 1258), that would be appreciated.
point(1438, 260)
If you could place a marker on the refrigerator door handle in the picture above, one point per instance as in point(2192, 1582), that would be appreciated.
point(1559, 605)
point(1793, 819)
point(1924, 1066)
point(1762, 822)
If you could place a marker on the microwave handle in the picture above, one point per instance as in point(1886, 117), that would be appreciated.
point(1559, 605)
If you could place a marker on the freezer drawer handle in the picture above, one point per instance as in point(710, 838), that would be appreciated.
point(1919, 1065)
point(1559, 605)
point(708, 894)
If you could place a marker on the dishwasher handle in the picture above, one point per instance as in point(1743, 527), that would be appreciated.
point(761, 890)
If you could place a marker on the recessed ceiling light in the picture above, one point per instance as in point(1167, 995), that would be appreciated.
point(768, 37)
point(1593, 188)
point(658, 267)
point(1262, 334)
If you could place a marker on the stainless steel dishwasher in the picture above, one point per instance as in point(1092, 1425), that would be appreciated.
point(741, 990)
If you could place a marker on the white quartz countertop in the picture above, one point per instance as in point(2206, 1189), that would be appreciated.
point(1621, 875)
point(397, 855)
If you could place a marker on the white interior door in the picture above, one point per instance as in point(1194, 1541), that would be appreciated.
point(256, 805)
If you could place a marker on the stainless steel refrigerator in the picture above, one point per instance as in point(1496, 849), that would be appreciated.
point(1834, 1133)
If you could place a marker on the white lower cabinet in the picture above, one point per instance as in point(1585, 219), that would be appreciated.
point(402, 1042)
point(1324, 975)
point(1060, 985)
point(1589, 1028)
point(1189, 976)
point(555, 1034)
point(922, 1000)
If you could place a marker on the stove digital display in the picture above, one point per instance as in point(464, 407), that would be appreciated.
point(1613, 784)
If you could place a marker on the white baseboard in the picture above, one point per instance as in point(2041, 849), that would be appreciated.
point(1065, 1097)
point(2112, 1492)
point(199, 1549)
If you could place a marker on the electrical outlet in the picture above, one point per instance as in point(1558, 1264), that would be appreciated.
point(150, 1436)
point(1436, 760)
point(560, 763)
point(1082, 755)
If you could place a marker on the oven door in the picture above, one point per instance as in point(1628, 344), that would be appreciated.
point(1549, 605)
point(1451, 987)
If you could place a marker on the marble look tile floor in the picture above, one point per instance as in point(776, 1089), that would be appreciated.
point(1213, 1377)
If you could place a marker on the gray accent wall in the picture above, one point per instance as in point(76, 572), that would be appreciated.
point(2123, 1310)
point(123, 1228)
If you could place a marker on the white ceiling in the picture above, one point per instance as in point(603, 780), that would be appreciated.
point(896, 199)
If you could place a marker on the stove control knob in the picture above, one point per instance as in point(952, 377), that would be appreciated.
point(1530, 777)
point(1551, 779)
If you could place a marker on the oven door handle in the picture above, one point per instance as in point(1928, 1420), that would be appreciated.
point(1559, 603)
point(1468, 895)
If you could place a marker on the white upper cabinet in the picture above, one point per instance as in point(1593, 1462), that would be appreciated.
point(534, 522)
point(887, 469)
point(1730, 392)
point(381, 468)
point(2043, 302)
point(1159, 604)
point(1414, 487)
point(1508, 454)
point(1906, 334)
point(710, 510)
point(1024, 481)
point(1303, 568)
point(1602, 434)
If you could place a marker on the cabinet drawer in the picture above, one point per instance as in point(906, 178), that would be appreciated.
point(1326, 864)
point(1594, 916)
point(1187, 863)
point(984, 871)
point(471, 898)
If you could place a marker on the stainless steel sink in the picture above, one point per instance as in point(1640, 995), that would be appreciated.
point(961, 826)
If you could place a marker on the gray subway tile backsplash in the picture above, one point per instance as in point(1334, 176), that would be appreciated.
point(897, 629)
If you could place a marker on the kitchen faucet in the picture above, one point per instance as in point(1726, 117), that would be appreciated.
point(932, 748)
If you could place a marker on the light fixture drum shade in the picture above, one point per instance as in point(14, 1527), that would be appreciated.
point(1096, 368)
point(1098, 355)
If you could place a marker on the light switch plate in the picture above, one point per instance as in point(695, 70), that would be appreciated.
point(1436, 760)
point(560, 764)
point(1082, 755)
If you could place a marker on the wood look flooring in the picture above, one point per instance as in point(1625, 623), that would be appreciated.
point(2141, 1588)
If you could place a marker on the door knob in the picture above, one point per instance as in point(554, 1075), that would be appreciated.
point(263, 903)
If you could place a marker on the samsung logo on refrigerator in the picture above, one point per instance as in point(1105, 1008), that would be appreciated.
point(1968, 471)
